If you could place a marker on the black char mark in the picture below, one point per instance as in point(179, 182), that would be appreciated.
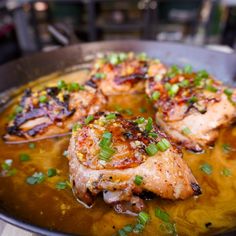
point(133, 78)
point(91, 83)
point(196, 189)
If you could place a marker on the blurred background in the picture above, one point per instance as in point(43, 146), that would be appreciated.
point(30, 26)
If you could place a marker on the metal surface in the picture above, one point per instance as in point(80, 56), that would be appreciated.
point(221, 65)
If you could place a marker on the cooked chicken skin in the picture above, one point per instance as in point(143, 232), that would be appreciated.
point(191, 107)
point(110, 153)
point(119, 73)
point(52, 111)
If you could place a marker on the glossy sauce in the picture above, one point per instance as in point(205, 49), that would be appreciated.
point(44, 205)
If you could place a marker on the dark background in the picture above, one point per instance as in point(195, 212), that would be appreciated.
point(29, 26)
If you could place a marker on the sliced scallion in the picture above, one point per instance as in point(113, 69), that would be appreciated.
point(138, 180)
point(151, 149)
point(163, 145)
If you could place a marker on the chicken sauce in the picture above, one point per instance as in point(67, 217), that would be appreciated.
point(44, 205)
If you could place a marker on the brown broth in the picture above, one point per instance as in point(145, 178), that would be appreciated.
point(44, 205)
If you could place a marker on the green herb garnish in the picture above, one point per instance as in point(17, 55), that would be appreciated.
point(61, 185)
point(188, 69)
point(100, 75)
point(206, 168)
point(43, 99)
point(61, 84)
point(211, 88)
point(193, 99)
point(51, 172)
point(88, 119)
point(142, 110)
point(138, 180)
point(186, 131)
point(149, 125)
point(36, 178)
point(32, 145)
point(111, 116)
point(162, 215)
point(156, 95)
point(143, 217)
point(18, 109)
point(226, 148)
point(151, 149)
point(24, 157)
point(163, 145)
point(228, 92)
point(226, 172)
point(173, 90)
point(140, 120)
point(184, 83)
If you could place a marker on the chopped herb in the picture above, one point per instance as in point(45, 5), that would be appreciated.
point(128, 228)
point(163, 145)
point(76, 126)
point(153, 135)
point(138, 180)
point(7, 164)
point(100, 75)
point(106, 152)
point(61, 84)
point(149, 126)
point(173, 90)
point(143, 217)
point(114, 59)
point(193, 99)
point(111, 116)
point(88, 119)
point(206, 168)
point(106, 139)
point(151, 149)
point(43, 99)
point(226, 172)
point(142, 110)
point(173, 71)
point(162, 215)
point(203, 74)
point(156, 95)
point(74, 87)
point(51, 172)
point(61, 185)
point(128, 111)
point(121, 232)
point(140, 120)
point(184, 83)
point(188, 69)
point(186, 131)
point(24, 157)
point(123, 56)
point(36, 178)
point(169, 227)
point(11, 172)
point(228, 92)
point(65, 153)
point(167, 86)
point(18, 109)
point(32, 145)
point(138, 228)
point(211, 88)
point(226, 148)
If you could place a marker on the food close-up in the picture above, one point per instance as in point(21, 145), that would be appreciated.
point(126, 145)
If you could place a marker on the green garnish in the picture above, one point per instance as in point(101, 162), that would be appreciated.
point(111, 116)
point(193, 99)
point(6, 165)
point(106, 139)
point(228, 92)
point(128, 111)
point(138, 180)
point(149, 126)
point(143, 217)
point(32, 145)
point(188, 69)
point(156, 95)
point(114, 59)
point(88, 119)
point(138, 228)
point(226, 172)
point(226, 148)
point(18, 109)
point(106, 153)
point(151, 149)
point(123, 56)
point(74, 87)
point(201, 75)
point(51, 172)
point(167, 225)
point(24, 157)
point(186, 131)
point(100, 75)
point(163, 145)
point(76, 126)
point(65, 153)
point(184, 83)
point(43, 99)
point(61, 185)
point(61, 84)
point(206, 168)
point(36, 178)
point(140, 120)
point(211, 88)
point(173, 90)
point(142, 56)
point(162, 215)
point(167, 86)
point(153, 135)
point(173, 71)
point(142, 110)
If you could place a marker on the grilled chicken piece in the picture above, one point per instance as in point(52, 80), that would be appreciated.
point(191, 107)
point(52, 111)
point(119, 73)
point(120, 158)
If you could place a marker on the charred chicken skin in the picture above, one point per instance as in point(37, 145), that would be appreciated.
point(119, 73)
point(52, 111)
point(126, 160)
point(191, 107)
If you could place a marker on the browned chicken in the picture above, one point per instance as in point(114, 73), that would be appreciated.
point(118, 73)
point(191, 107)
point(52, 111)
point(127, 161)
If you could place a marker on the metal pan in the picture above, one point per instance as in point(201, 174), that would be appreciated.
point(17, 73)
